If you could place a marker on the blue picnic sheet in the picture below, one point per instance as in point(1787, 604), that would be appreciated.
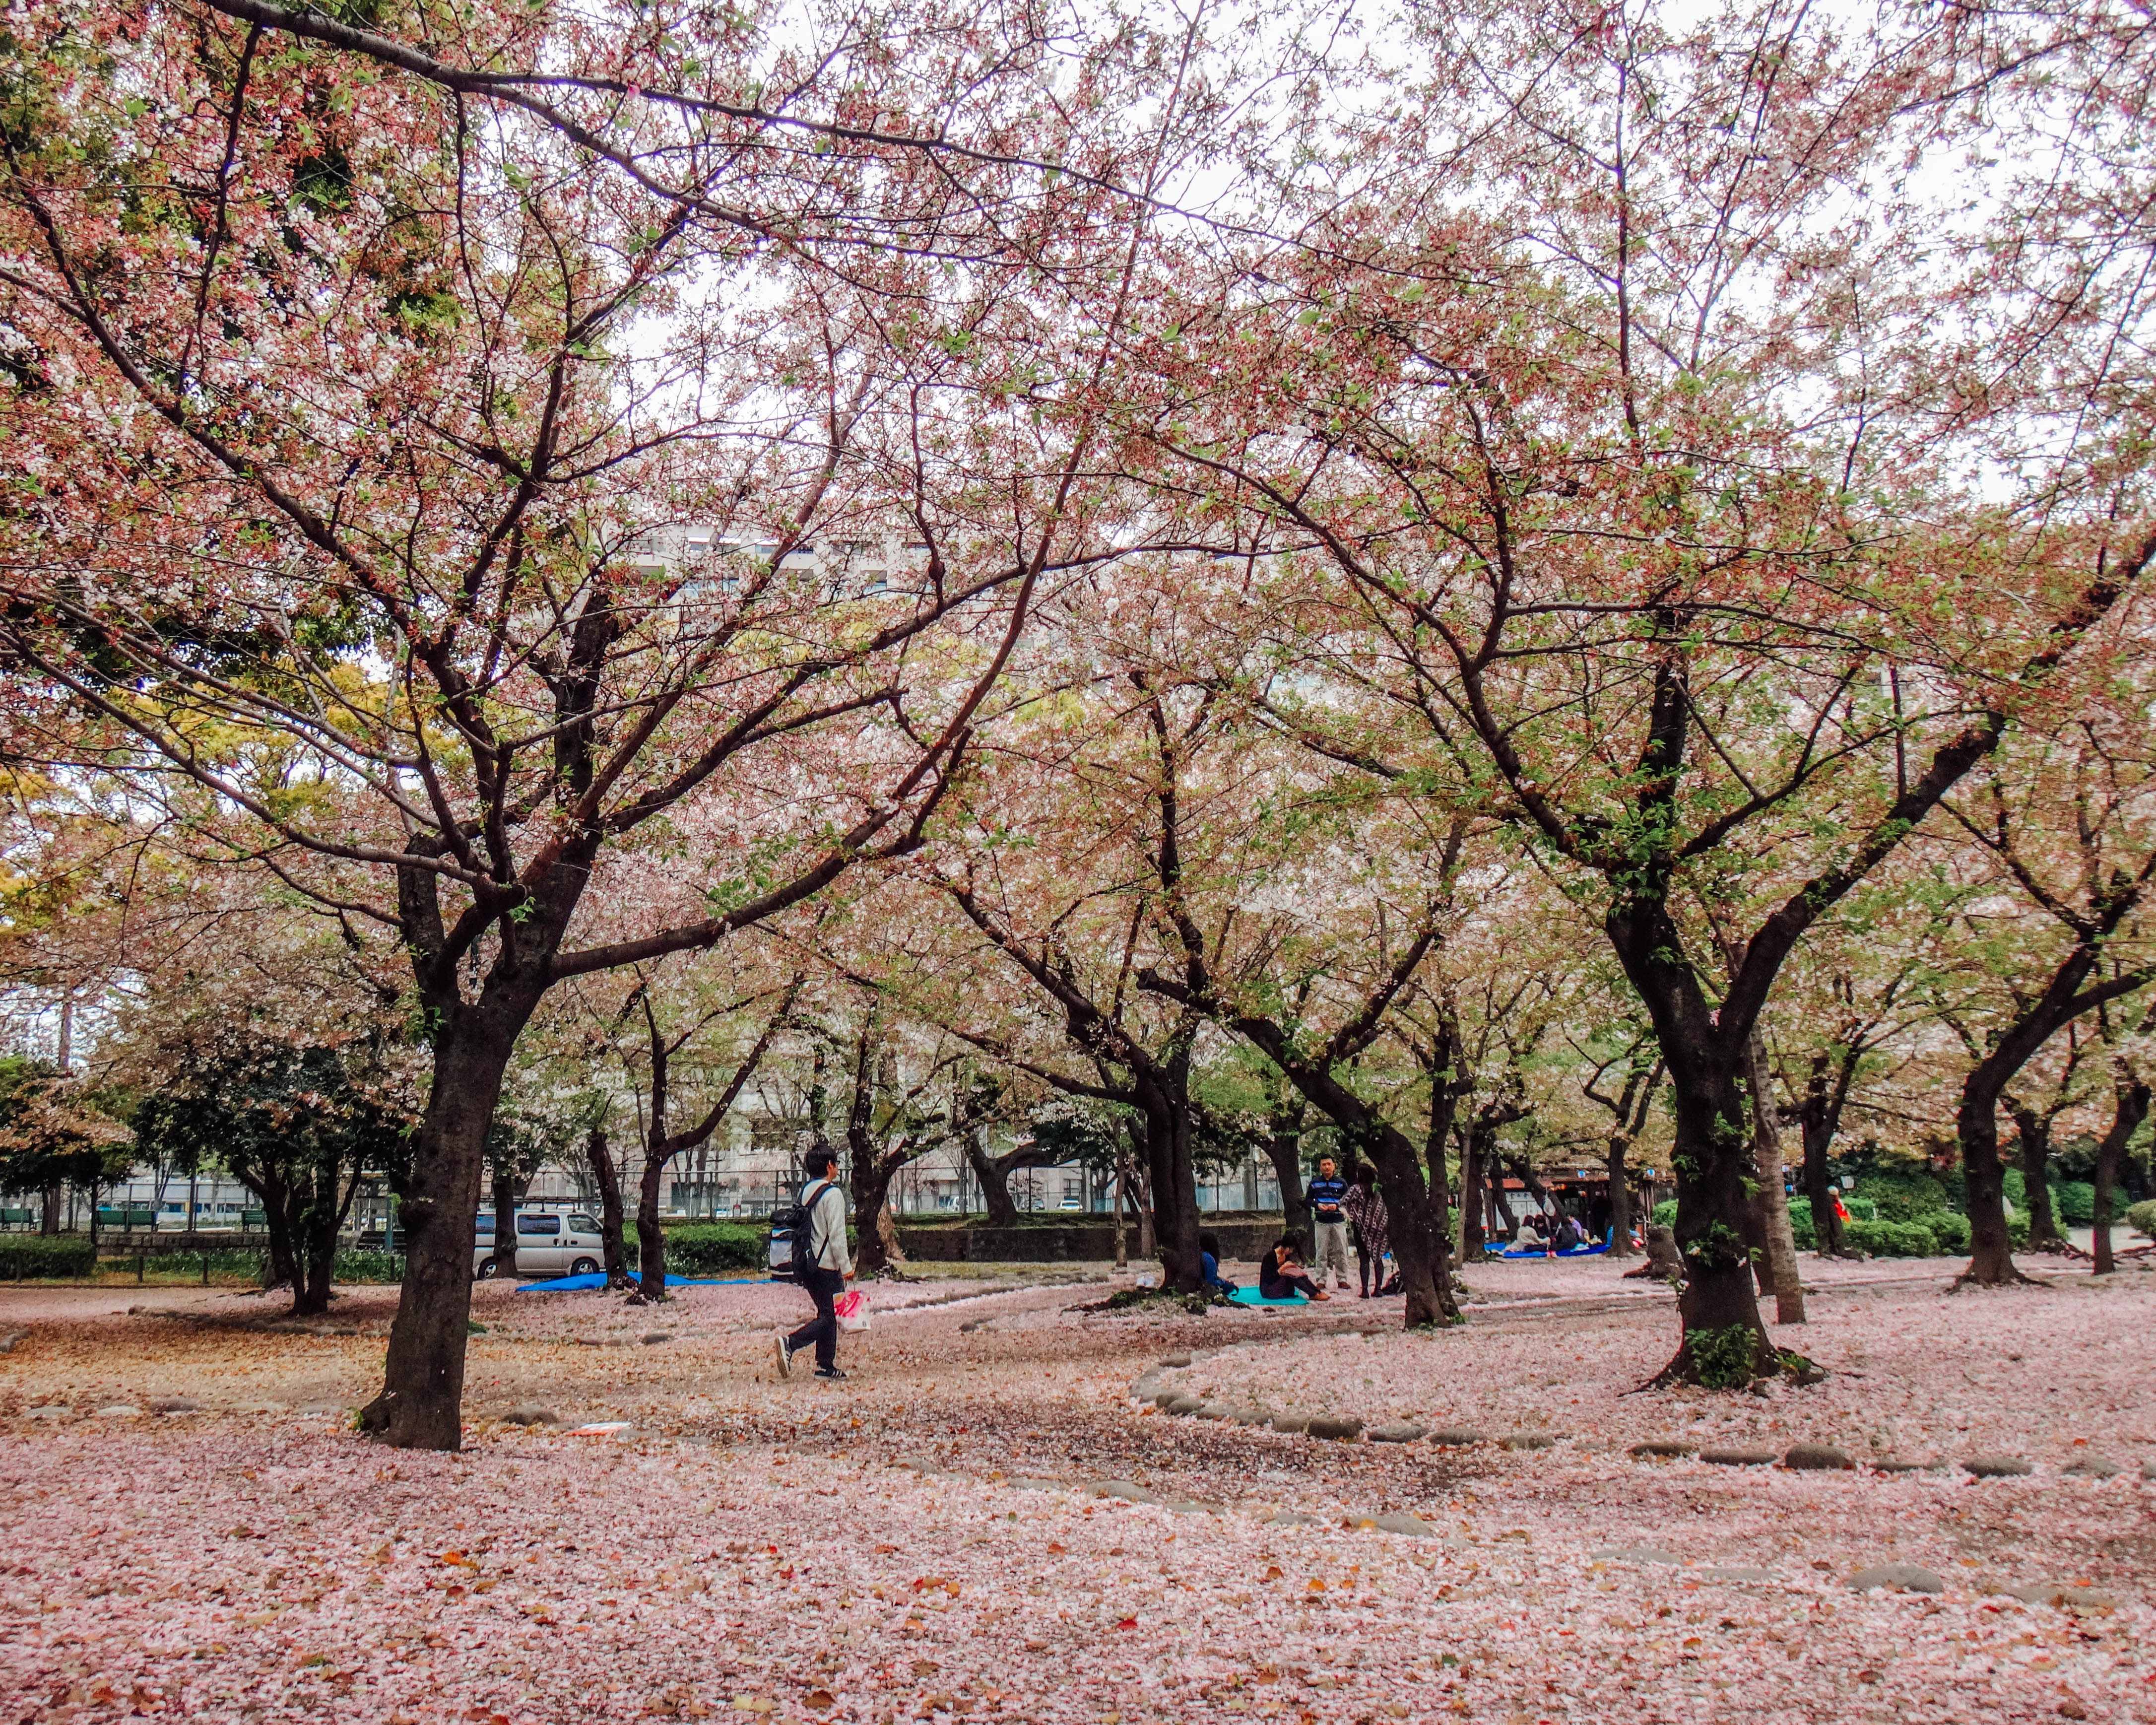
point(1569, 1252)
point(1251, 1297)
point(581, 1283)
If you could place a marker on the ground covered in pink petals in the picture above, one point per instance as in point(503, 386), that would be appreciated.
point(984, 1522)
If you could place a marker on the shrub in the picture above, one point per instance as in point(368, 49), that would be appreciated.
point(1800, 1224)
point(1949, 1228)
point(368, 1267)
point(26, 1257)
point(1665, 1212)
point(2073, 1202)
point(1892, 1239)
point(2141, 1217)
point(1901, 1195)
point(712, 1248)
point(1725, 1359)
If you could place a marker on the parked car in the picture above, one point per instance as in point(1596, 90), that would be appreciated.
point(548, 1243)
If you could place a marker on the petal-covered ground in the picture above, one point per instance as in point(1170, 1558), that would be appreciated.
point(939, 1535)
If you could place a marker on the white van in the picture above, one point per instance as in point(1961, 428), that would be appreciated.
point(548, 1243)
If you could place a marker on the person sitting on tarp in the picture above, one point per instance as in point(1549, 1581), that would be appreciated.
point(1209, 1266)
point(1280, 1273)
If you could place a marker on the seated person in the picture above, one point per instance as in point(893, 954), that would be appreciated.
point(1208, 1265)
point(1280, 1273)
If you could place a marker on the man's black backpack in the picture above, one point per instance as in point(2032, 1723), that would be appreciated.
point(790, 1226)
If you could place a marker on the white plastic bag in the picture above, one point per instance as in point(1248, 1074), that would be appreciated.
point(853, 1309)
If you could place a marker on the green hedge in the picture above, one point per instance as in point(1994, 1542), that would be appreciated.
point(1892, 1239)
point(1900, 1195)
point(1861, 1209)
point(27, 1257)
point(367, 1266)
point(710, 1248)
point(2073, 1202)
point(2141, 1217)
point(1949, 1228)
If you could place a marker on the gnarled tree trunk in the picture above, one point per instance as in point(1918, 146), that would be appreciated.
point(1819, 1118)
point(1284, 1120)
point(2129, 1108)
point(421, 1403)
point(2035, 1130)
point(1474, 1236)
point(504, 1223)
point(1785, 1282)
point(608, 1178)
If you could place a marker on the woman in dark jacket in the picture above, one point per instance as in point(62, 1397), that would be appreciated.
point(1280, 1273)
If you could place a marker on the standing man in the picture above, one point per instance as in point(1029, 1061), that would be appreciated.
point(830, 1266)
point(1327, 1194)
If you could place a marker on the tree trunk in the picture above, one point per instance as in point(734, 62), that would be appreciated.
point(1122, 1205)
point(2130, 1108)
point(1173, 1181)
point(600, 1160)
point(1284, 1150)
point(1496, 1177)
point(281, 1269)
point(1787, 1284)
point(1725, 1343)
point(650, 1237)
point(421, 1404)
point(1818, 1188)
point(505, 1222)
point(2035, 1131)
point(1474, 1232)
point(51, 1205)
point(994, 1178)
point(879, 1229)
point(1141, 1200)
point(315, 1233)
point(1620, 1197)
point(1984, 1179)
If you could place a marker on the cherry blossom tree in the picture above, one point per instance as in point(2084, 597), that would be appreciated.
point(371, 389)
point(2067, 819)
point(1609, 435)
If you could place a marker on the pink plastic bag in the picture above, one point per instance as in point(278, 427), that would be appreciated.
point(853, 1310)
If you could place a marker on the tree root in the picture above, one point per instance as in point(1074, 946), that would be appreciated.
point(1722, 1369)
point(2013, 1278)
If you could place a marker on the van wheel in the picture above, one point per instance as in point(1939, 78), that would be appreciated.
point(583, 1266)
point(486, 1270)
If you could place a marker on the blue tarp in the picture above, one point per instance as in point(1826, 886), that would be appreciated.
point(1251, 1297)
point(1570, 1252)
point(581, 1283)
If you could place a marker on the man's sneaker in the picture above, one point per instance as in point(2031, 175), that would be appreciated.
point(828, 1372)
point(785, 1352)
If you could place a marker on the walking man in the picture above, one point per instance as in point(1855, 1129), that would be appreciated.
point(830, 1266)
point(1327, 1194)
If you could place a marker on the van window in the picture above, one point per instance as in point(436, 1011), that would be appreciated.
point(538, 1224)
point(581, 1223)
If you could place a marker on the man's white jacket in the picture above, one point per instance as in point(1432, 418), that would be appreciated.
point(827, 1229)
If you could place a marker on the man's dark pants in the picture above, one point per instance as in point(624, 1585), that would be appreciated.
point(823, 1286)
